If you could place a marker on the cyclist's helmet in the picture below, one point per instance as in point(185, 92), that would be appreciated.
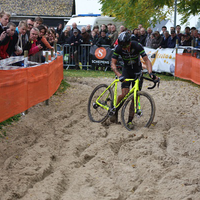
point(124, 39)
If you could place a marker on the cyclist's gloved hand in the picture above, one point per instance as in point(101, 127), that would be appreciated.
point(121, 78)
point(153, 76)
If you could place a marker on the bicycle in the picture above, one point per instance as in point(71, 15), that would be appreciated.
point(102, 103)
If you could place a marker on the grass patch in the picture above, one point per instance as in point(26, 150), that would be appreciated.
point(10, 120)
point(63, 86)
point(108, 74)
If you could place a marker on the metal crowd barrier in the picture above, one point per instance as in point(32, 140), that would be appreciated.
point(77, 55)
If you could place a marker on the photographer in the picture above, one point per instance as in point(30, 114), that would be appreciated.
point(10, 30)
point(4, 19)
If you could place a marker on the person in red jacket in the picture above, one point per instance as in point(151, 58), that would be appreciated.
point(10, 30)
point(32, 45)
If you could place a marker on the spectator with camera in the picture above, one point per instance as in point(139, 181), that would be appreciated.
point(4, 19)
point(8, 38)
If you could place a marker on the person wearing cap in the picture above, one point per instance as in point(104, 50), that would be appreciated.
point(74, 26)
point(171, 43)
point(75, 41)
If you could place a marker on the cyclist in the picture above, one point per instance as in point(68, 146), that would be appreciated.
point(130, 52)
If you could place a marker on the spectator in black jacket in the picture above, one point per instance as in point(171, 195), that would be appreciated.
point(74, 26)
point(75, 41)
point(165, 39)
point(93, 38)
point(142, 36)
point(103, 40)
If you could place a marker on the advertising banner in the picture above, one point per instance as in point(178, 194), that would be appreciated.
point(100, 55)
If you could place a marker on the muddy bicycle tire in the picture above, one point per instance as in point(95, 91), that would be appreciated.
point(148, 109)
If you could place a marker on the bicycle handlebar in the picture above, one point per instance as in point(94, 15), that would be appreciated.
point(139, 75)
point(157, 81)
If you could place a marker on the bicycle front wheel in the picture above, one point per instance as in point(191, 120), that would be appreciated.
point(97, 113)
point(144, 117)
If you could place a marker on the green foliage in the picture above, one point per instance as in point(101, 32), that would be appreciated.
point(134, 12)
point(188, 8)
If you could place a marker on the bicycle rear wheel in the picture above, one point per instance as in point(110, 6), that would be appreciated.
point(95, 112)
point(144, 117)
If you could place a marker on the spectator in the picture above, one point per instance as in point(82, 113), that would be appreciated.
point(31, 46)
point(20, 38)
point(75, 41)
point(52, 36)
point(142, 36)
point(59, 29)
point(88, 29)
point(195, 38)
point(157, 40)
point(38, 21)
point(64, 38)
point(192, 31)
point(113, 36)
point(85, 35)
point(96, 30)
point(41, 38)
point(198, 41)
point(178, 31)
point(93, 38)
point(172, 40)
point(186, 40)
point(84, 51)
point(187, 30)
point(9, 36)
point(135, 34)
point(108, 29)
point(103, 28)
point(165, 39)
point(4, 19)
point(30, 24)
point(164, 28)
point(103, 39)
point(74, 26)
point(172, 29)
point(148, 37)
point(121, 29)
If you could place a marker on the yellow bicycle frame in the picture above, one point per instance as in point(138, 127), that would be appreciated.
point(133, 90)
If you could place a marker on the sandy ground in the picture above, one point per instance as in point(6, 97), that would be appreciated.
point(56, 153)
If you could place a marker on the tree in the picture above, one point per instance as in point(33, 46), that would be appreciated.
point(147, 12)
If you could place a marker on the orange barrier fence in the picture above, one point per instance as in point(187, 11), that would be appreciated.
point(23, 88)
point(188, 67)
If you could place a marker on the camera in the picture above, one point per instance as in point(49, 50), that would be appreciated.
point(5, 28)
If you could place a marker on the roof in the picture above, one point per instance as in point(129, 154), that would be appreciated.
point(158, 26)
point(38, 7)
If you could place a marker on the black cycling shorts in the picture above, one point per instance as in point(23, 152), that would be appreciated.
point(129, 73)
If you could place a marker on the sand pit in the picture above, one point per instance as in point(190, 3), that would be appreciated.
point(56, 153)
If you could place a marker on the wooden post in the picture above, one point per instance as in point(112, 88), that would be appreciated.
point(25, 58)
point(51, 54)
point(192, 44)
point(26, 65)
point(46, 61)
point(46, 57)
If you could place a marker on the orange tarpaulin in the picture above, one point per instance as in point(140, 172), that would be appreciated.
point(188, 67)
point(23, 88)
